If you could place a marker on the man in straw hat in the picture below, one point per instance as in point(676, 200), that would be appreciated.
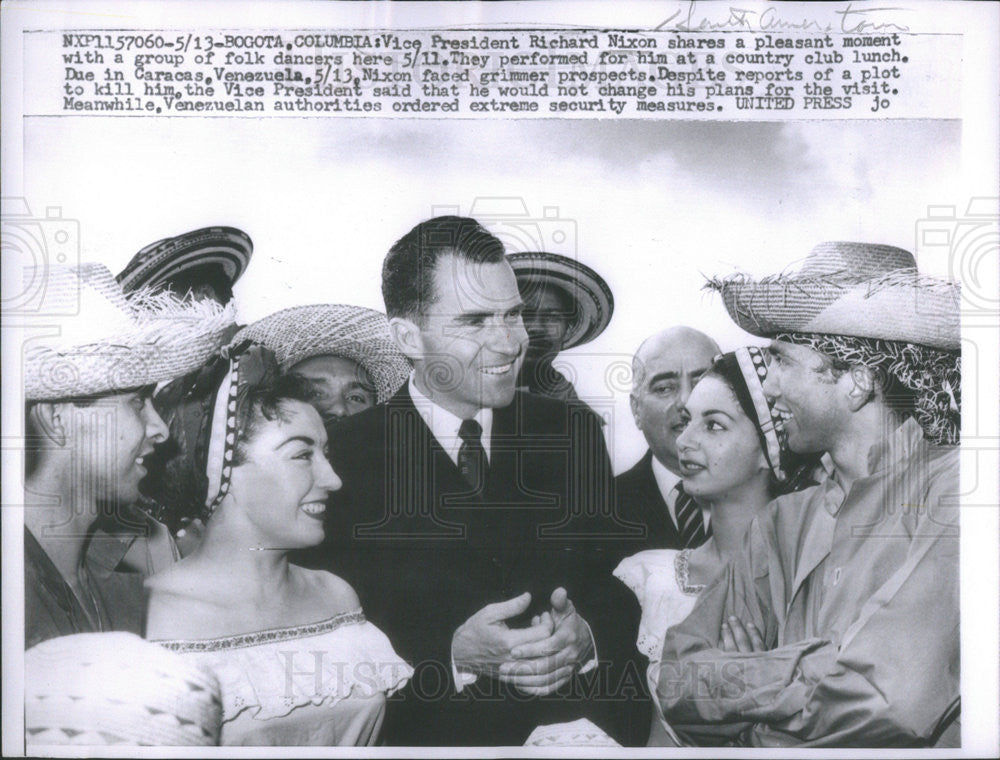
point(461, 504)
point(838, 625)
point(345, 352)
point(90, 425)
point(566, 304)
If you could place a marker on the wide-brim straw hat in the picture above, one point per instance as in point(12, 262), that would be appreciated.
point(592, 298)
point(109, 343)
point(159, 262)
point(353, 332)
point(861, 290)
point(116, 688)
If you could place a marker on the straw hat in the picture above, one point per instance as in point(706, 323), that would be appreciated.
point(856, 289)
point(116, 688)
point(594, 303)
point(163, 260)
point(356, 333)
point(108, 343)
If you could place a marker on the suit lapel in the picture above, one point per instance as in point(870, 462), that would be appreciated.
point(418, 472)
point(509, 528)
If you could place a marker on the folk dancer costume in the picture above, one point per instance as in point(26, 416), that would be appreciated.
point(108, 345)
point(659, 577)
point(323, 683)
point(855, 594)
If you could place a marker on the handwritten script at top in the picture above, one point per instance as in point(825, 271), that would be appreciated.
point(849, 20)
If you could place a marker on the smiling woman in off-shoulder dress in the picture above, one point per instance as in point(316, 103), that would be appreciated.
point(296, 660)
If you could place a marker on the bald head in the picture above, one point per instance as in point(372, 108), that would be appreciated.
point(664, 369)
point(678, 342)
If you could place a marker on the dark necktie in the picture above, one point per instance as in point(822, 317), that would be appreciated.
point(690, 523)
point(471, 454)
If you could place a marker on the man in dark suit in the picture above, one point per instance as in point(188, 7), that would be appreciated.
point(664, 369)
point(475, 522)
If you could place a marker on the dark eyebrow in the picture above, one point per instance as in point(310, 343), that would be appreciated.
point(296, 439)
point(664, 376)
point(473, 316)
point(707, 412)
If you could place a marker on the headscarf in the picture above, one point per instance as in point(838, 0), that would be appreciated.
point(932, 375)
point(745, 370)
point(206, 421)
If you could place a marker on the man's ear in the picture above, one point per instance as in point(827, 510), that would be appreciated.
point(862, 387)
point(633, 403)
point(406, 333)
point(50, 420)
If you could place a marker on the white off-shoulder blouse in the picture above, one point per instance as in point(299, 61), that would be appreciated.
point(659, 580)
point(320, 684)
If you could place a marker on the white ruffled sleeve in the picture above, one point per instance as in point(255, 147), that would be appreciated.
point(652, 577)
point(270, 673)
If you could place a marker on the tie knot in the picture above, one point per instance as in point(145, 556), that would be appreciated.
point(471, 432)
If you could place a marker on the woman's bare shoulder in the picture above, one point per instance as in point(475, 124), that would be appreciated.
point(333, 594)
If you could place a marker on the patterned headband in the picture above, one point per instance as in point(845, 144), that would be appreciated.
point(250, 367)
point(745, 369)
point(752, 362)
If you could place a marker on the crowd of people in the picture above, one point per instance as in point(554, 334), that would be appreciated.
point(337, 526)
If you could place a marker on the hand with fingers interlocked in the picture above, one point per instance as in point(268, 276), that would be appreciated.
point(543, 666)
point(484, 642)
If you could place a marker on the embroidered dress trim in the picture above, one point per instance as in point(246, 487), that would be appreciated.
point(269, 636)
point(681, 568)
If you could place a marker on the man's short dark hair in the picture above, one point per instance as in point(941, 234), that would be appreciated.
point(409, 267)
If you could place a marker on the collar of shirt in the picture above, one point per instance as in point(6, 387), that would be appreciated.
point(444, 425)
point(665, 481)
point(897, 447)
point(884, 457)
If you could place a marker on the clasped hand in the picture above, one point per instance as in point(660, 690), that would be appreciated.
point(537, 660)
point(737, 636)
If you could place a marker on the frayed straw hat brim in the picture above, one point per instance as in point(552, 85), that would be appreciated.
point(898, 305)
point(594, 302)
point(157, 337)
point(353, 332)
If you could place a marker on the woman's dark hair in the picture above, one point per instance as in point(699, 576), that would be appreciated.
point(798, 468)
point(177, 481)
point(268, 403)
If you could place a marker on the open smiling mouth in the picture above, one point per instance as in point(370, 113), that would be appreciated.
point(139, 461)
point(690, 467)
point(498, 369)
point(314, 508)
point(783, 414)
